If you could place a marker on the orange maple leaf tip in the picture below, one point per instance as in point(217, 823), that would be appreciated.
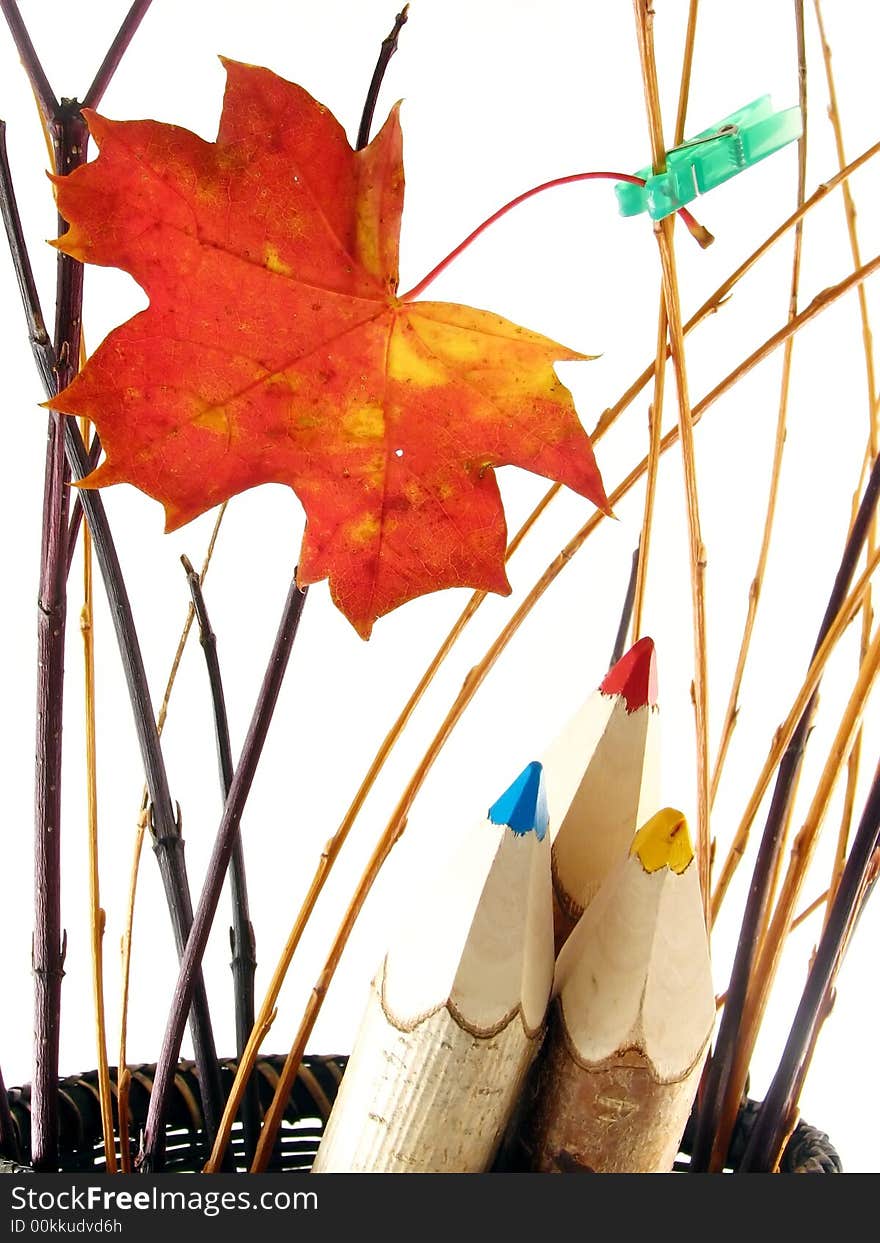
point(275, 350)
point(634, 676)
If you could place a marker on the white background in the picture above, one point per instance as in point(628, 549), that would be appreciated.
point(498, 97)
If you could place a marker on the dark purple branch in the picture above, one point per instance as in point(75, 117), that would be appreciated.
point(718, 1076)
point(165, 827)
point(45, 96)
point(629, 601)
point(768, 1133)
point(76, 512)
point(167, 840)
point(387, 50)
point(241, 934)
point(151, 1156)
point(115, 53)
point(9, 1145)
point(40, 341)
point(69, 138)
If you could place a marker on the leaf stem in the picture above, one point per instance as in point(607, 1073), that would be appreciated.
point(216, 871)
point(241, 934)
point(386, 51)
point(696, 230)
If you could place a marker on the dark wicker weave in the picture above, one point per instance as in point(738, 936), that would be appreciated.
point(809, 1151)
point(81, 1145)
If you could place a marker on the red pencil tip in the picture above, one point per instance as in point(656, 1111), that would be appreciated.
point(634, 676)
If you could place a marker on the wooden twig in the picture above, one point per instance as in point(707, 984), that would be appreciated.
point(731, 715)
point(663, 232)
point(241, 934)
point(726, 1075)
point(216, 871)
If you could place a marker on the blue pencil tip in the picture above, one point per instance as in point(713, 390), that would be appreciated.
point(523, 806)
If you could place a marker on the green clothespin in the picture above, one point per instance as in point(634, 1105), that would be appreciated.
point(710, 158)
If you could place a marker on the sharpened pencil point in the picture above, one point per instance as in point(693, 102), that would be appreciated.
point(523, 806)
point(634, 676)
point(664, 841)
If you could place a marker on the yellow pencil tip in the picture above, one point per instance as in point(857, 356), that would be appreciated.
point(664, 841)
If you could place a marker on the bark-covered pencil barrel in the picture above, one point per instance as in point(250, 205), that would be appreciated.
point(631, 1020)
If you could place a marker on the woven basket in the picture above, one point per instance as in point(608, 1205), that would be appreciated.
point(81, 1144)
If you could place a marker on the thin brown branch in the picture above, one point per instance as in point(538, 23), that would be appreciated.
point(655, 410)
point(731, 715)
point(663, 232)
point(687, 65)
point(870, 380)
point(784, 733)
point(808, 911)
point(96, 914)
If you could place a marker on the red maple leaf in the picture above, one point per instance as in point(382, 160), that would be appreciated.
point(275, 349)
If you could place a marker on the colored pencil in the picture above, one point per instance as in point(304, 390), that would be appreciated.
point(456, 1013)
